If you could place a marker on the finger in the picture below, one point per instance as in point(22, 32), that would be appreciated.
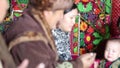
point(87, 55)
point(92, 59)
point(95, 64)
point(41, 65)
point(93, 56)
point(24, 64)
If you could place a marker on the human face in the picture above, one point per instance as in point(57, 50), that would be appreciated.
point(53, 17)
point(3, 9)
point(112, 51)
point(68, 20)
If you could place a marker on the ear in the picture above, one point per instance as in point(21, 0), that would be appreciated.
point(48, 13)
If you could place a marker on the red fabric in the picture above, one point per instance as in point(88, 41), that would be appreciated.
point(97, 60)
point(115, 16)
point(74, 57)
point(107, 65)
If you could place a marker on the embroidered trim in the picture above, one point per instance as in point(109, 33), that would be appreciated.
point(26, 37)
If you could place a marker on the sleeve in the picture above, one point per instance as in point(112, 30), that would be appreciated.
point(34, 47)
point(36, 52)
point(39, 52)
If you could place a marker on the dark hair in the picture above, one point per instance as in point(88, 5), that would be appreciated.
point(114, 40)
point(100, 49)
point(68, 10)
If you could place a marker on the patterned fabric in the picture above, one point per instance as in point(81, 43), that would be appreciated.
point(16, 10)
point(93, 26)
point(115, 16)
point(62, 44)
point(115, 64)
point(18, 7)
point(4, 25)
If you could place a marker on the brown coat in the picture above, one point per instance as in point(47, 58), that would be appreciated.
point(37, 51)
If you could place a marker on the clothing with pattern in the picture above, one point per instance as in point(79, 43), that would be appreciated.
point(106, 64)
point(62, 43)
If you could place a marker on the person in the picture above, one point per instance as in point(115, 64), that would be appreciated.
point(6, 61)
point(3, 9)
point(61, 33)
point(30, 36)
point(111, 55)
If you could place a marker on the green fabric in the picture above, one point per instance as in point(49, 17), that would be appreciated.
point(84, 9)
point(115, 64)
point(22, 1)
point(108, 6)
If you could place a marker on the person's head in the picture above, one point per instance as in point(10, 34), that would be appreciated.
point(3, 9)
point(51, 10)
point(68, 20)
point(112, 50)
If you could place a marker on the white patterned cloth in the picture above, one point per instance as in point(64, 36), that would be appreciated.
point(62, 43)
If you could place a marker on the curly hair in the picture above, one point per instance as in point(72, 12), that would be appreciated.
point(50, 4)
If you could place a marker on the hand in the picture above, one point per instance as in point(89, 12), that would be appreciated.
point(25, 63)
point(41, 65)
point(87, 59)
point(96, 64)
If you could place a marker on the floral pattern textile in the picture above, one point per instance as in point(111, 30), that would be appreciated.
point(18, 7)
point(92, 25)
point(15, 11)
point(62, 43)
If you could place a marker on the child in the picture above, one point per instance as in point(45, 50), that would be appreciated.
point(111, 55)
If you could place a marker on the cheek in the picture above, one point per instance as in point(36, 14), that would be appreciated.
point(66, 21)
point(117, 54)
point(73, 21)
point(2, 14)
point(5, 5)
point(60, 15)
point(69, 21)
point(106, 53)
